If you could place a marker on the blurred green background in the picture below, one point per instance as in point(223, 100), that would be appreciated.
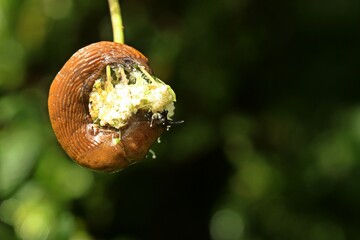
point(270, 147)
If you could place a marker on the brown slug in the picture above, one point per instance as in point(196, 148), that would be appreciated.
point(102, 144)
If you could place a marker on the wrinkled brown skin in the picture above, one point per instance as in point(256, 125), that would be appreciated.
point(89, 146)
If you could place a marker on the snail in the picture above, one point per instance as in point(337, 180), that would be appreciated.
point(106, 108)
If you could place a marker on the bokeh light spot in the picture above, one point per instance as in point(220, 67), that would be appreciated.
point(7, 208)
point(32, 27)
point(35, 215)
point(15, 165)
point(57, 9)
point(11, 64)
point(335, 157)
point(326, 230)
point(59, 172)
point(226, 225)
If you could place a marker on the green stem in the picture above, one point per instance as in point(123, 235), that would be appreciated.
point(116, 21)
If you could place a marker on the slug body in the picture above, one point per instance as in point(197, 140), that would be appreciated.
point(88, 144)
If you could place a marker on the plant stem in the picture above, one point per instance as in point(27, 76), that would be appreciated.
point(117, 25)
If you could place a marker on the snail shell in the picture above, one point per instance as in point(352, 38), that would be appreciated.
point(89, 145)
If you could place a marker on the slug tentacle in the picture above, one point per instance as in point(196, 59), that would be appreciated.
point(104, 148)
